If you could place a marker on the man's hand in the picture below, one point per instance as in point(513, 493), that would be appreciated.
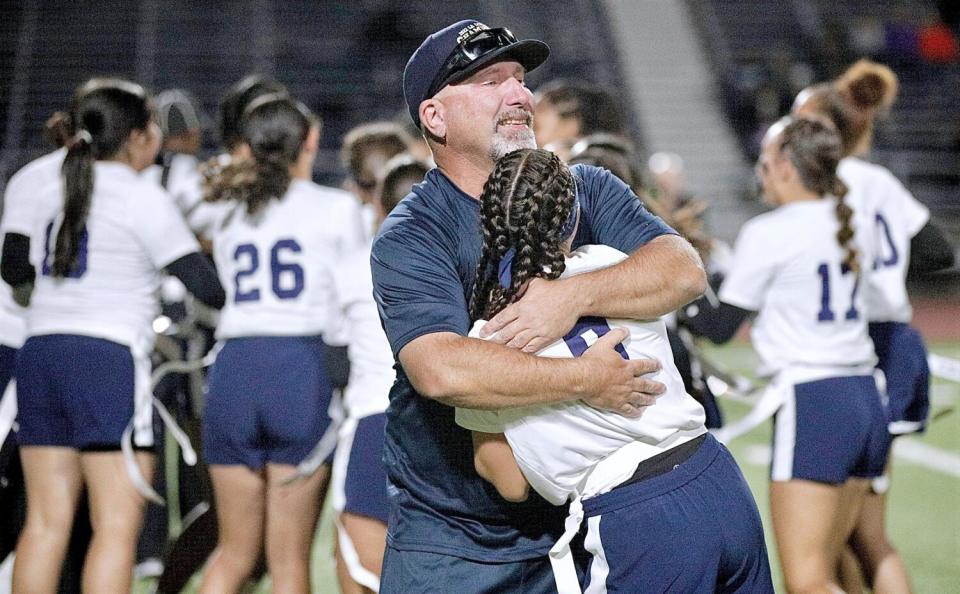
point(542, 315)
point(618, 384)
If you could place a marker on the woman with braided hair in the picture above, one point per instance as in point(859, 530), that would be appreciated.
point(904, 239)
point(800, 267)
point(661, 474)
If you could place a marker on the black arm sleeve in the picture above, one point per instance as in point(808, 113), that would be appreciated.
point(197, 273)
point(718, 324)
point(929, 251)
point(15, 267)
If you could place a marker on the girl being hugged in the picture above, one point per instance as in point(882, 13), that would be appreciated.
point(269, 393)
point(800, 268)
point(661, 474)
point(99, 235)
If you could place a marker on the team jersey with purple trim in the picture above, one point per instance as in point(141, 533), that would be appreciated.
point(275, 266)
point(131, 232)
point(559, 447)
point(424, 261)
point(788, 266)
point(891, 216)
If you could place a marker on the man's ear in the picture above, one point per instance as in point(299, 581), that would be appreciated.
point(433, 119)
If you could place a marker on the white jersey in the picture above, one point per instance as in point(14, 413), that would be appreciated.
point(275, 266)
point(371, 361)
point(132, 231)
point(787, 267)
point(571, 449)
point(892, 216)
point(184, 185)
point(19, 202)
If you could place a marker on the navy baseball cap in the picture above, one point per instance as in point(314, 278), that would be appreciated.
point(454, 53)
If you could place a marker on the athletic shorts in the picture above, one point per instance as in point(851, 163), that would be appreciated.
point(418, 572)
point(903, 360)
point(360, 486)
point(74, 391)
point(830, 430)
point(693, 529)
point(267, 401)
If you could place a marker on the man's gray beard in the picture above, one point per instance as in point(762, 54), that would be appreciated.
point(502, 145)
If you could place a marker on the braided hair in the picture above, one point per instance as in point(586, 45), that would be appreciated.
point(275, 127)
point(814, 148)
point(524, 206)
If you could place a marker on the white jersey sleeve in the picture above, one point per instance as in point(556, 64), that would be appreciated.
point(751, 268)
point(28, 194)
point(371, 361)
point(161, 229)
point(20, 210)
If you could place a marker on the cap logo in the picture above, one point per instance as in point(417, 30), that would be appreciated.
point(469, 31)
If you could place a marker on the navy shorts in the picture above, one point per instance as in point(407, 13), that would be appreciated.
point(267, 401)
point(903, 360)
point(830, 430)
point(74, 391)
point(418, 572)
point(362, 477)
point(693, 529)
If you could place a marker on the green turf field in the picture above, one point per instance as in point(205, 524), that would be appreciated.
point(924, 508)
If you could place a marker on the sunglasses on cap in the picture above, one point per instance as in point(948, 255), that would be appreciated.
point(468, 51)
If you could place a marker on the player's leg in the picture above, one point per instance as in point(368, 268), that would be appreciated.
point(240, 497)
point(881, 563)
point(116, 516)
point(363, 502)
point(368, 537)
point(810, 519)
point(53, 482)
point(292, 513)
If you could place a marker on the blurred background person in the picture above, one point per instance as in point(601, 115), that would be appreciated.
point(569, 110)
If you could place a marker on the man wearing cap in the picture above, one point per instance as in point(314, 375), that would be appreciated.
point(448, 528)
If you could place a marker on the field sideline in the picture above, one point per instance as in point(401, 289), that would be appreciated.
point(924, 522)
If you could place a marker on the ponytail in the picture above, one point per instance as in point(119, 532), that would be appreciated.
point(275, 127)
point(814, 148)
point(845, 233)
point(871, 86)
point(78, 188)
point(101, 119)
point(59, 129)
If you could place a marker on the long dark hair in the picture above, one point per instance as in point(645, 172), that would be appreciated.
point(524, 207)
point(275, 128)
point(814, 148)
point(101, 117)
point(235, 102)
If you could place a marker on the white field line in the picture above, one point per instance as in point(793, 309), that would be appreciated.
point(904, 448)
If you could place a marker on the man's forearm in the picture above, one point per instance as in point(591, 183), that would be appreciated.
point(658, 278)
point(472, 373)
